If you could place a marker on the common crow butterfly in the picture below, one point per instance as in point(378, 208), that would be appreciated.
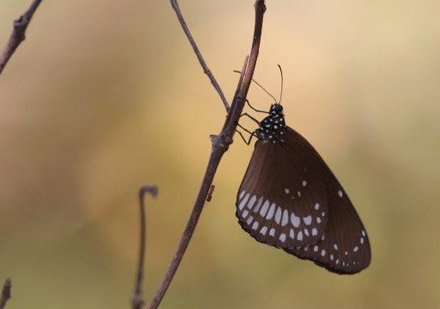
point(290, 199)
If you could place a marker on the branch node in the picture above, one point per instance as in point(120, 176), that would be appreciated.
point(18, 34)
point(210, 193)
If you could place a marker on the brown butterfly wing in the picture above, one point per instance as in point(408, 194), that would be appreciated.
point(345, 247)
point(282, 200)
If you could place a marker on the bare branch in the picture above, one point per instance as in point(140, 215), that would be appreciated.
point(18, 34)
point(220, 145)
point(6, 293)
point(202, 61)
point(137, 301)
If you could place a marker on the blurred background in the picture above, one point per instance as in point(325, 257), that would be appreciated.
point(104, 97)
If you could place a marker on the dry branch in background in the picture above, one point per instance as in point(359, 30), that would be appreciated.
point(6, 293)
point(137, 301)
point(18, 34)
point(220, 143)
point(199, 54)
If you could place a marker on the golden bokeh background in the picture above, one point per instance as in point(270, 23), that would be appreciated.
point(104, 96)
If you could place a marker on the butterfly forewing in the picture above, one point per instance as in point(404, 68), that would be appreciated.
point(344, 247)
point(282, 200)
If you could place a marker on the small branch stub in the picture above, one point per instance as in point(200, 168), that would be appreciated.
point(211, 191)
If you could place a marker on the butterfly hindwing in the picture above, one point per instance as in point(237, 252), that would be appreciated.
point(282, 201)
point(344, 248)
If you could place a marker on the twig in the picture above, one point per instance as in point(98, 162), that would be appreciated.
point(220, 145)
point(6, 293)
point(137, 301)
point(202, 61)
point(18, 34)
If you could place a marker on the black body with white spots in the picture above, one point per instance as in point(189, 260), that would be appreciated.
point(273, 127)
point(290, 199)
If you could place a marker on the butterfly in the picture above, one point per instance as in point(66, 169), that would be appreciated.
point(290, 199)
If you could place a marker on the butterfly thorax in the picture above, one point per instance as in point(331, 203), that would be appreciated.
point(273, 127)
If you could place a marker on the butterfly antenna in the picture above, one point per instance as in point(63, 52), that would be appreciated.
point(259, 85)
point(282, 82)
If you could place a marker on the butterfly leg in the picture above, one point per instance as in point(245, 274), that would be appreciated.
point(247, 142)
point(250, 132)
point(250, 117)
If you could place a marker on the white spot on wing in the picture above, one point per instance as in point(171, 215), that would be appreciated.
point(255, 225)
point(314, 231)
point(299, 236)
point(257, 207)
point(271, 212)
point(272, 232)
point(263, 230)
point(292, 234)
point(264, 208)
point(336, 247)
point(340, 193)
point(306, 232)
point(278, 215)
point(318, 220)
point(285, 218)
point(283, 237)
point(307, 220)
point(245, 213)
point(304, 183)
point(295, 220)
point(243, 202)
point(317, 206)
point(242, 194)
point(252, 202)
point(356, 249)
point(323, 252)
point(249, 220)
point(287, 190)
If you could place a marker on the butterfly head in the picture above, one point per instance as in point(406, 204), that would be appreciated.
point(276, 109)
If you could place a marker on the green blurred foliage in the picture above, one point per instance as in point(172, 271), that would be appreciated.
point(105, 96)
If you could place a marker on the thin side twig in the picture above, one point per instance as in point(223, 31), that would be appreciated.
point(6, 293)
point(137, 301)
point(220, 145)
point(196, 49)
point(18, 34)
